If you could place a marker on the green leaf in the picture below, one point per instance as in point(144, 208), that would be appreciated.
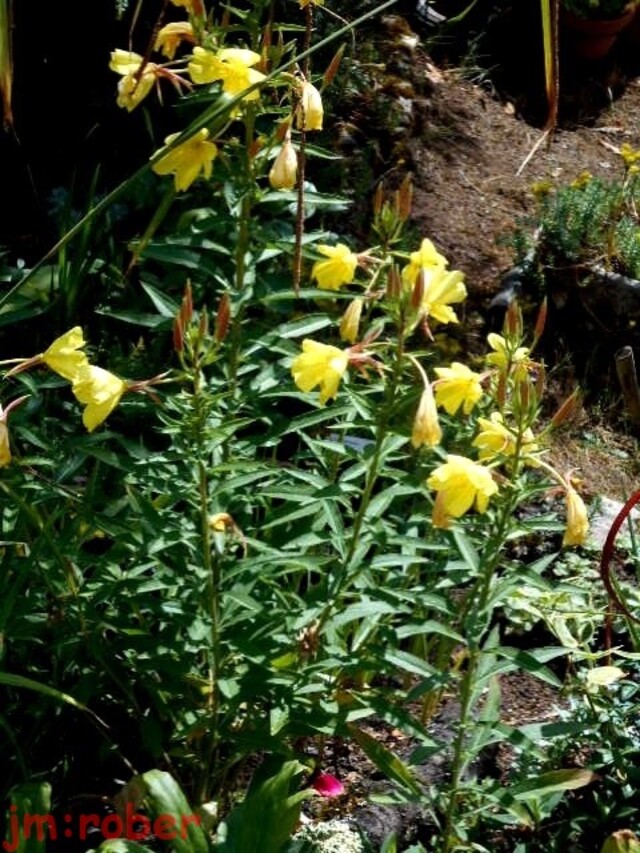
point(164, 797)
point(555, 780)
point(31, 801)
point(166, 307)
point(270, 812)
point(28, 684)
point(386, 761)
point(466, 549)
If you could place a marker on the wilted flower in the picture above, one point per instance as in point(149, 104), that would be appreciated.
point(327, 785)
point(310, 111)
point(457, 386)
point(338, 269)
point(98, 390)
point(426, 427)
point(350, 322)
point(460, 482)
point(621, 841)
point(496, 439)
point(284, 171)
point(319, 364)
point(603, 676)
point(133, 87)
point(171, 36)
point(577, 519)
point(188, 159)
point(232, 65)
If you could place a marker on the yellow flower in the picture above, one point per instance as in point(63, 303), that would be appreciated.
point(285, 168)
point(350, 322)
point(131, 90)
point(98, 390)
point(124, 62)
point(581, 181)
point(457, 386)
point(629, 154)
point(441, 289)
point(577, 520)
point(232, 65)
point(604, 676)
point(459, 483)
point(499, 358)
point(426, 260)
point(495, 439)
point(426, 428)
point(64, 356)
point(305, 3)
point(310, 112)
point(5, 450)
point(339, 269)
point(319, 364)
point(171, 36)
point(187, 160)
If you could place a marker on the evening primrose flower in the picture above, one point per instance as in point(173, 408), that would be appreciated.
point(284, 171)
point(496, 439)
point(171, 36)
point(457, 386)
point(577, 520)
point(310, 111)
point(338, 269)
point(460, 483)
point(231, 65)
point(98, 390)
point(426, 427)
point(319, 364)
point(500, 358)
point(187, 160)
point(305, 3)
point(64, 356)
point(134, 87)
point(426, 260)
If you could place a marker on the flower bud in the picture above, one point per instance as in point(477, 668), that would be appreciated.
point(222, 318)
point(378, 199)
point(310, 111)
point(567, 410)
point(334, 65)
point(394, 283)
point(417, 294)
point(513, 321)
point(404, 197)
point(426, 427)
point(284, 171)
point(622, 841)
point(350, 322)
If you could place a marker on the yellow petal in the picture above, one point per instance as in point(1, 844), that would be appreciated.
point(100, 391)
point(64, 356)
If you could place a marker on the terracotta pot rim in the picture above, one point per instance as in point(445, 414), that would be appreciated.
point(603, 25)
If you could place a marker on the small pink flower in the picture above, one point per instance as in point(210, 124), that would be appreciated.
point(327, 785)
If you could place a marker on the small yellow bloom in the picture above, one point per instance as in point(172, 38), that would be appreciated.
point(519, 360)
point(5, 449)
point(426, 260)
point(629, 154)
point(310, 112)
point(426, 427)
point(581, 181)
point(459, 483)
point(187, 160)
point(338, 269)
point(232, 65)
point(64, 356)
point(319, 364)
point(133, 90)
point(305, 3)
point(441, 289)
point(220, 521)
point(350, 322)
point(285, 168)
point(496, 439)
point(171, 36)
point(124, 62)
point(98, 390)
point(457, 386)
point(577, 520)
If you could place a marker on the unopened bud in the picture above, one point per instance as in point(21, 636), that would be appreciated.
point(186, 308)
point(426, 427)
point(622, 841)
point(540, 321)
point(404, 198)
point(203, 326)
point(417, 294)
point(524, 394)
point(350, 322)
point(394, 283)
point(513, 321)
point(501, 390)
point(223, 317)
point(567, 410)
point(178, 333)
point(378, 200)
point(284, 171)
point(334, 65)
point(310, 110)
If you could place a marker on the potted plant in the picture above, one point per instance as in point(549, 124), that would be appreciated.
point(594, 25)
